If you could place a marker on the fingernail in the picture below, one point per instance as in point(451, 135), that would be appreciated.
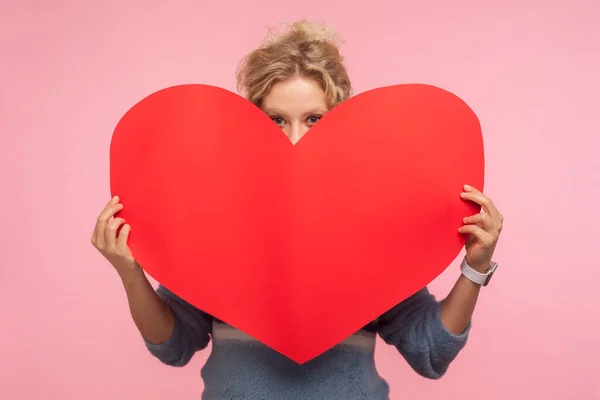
point(115, 199)
point(467, 187)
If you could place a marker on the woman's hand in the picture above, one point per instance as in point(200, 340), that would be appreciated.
point(112, 242)
point(483, 230)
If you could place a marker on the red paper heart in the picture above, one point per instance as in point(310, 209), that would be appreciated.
point(298, 246)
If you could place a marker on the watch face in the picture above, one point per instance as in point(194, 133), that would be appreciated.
point(488, 279)
point(490, 273)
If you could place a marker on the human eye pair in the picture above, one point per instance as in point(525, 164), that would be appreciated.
point(310, 120)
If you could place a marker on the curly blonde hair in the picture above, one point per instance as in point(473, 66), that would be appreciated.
point(305, 49)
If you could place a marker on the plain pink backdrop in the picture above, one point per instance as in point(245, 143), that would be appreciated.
point(70, 69)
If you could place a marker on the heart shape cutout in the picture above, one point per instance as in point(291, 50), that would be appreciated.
point(279, 240)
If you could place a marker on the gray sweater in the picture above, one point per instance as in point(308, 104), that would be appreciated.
point(240, 367)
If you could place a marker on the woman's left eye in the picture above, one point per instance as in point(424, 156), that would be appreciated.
point(313, 119)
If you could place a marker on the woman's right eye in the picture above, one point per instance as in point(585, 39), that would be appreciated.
point(278, 120)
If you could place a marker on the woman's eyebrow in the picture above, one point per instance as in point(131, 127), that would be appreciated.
point(272, 111)
point(316, 110)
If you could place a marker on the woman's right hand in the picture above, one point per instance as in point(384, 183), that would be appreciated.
point(112, 242)
point(152, 316)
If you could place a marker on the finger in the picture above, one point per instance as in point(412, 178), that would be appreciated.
point(482, 220)
point(482, 236)
point(485, 202)
point(98, 235)
point(110, 209)
point(471, 189)
point(110, 233)
point(123, 236)
point(93, 238)
point(470, 240)
point(107, 213)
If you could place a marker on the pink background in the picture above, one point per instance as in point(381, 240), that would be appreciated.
point(69, 70)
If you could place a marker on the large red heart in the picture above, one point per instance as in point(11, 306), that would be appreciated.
point(283, 241)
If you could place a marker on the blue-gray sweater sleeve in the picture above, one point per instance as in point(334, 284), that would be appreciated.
point(191, 333)
point(415, 328)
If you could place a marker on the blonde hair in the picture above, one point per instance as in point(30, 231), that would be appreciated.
point(306, 49)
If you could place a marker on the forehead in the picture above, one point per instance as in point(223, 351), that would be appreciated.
point(295, 95)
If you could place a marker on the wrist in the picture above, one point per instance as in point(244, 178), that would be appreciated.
point(132, 274)
point(480, 273)
point(481, 267)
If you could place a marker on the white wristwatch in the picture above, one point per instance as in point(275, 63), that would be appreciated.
point(475, 276)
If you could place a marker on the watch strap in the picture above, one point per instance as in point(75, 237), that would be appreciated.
point(477, 277)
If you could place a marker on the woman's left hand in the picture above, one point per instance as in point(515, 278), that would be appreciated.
point(483, 230)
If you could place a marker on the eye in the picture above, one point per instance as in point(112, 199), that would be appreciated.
point(313, 119)
point(278, 120)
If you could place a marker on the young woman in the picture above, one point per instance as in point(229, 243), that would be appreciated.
point(296, 78)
